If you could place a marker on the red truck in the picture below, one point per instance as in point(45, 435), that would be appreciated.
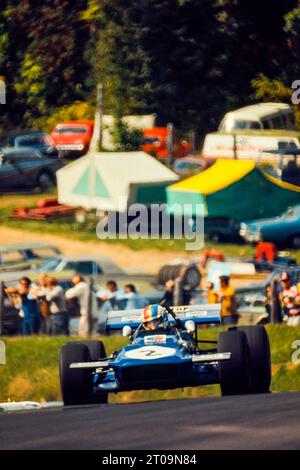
point(155, 143)
point(73, 137)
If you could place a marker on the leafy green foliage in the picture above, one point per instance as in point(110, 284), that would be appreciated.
point(188, 61)
point(279, 88)
point(125, 138)
point(44, 56)
point(79, 110)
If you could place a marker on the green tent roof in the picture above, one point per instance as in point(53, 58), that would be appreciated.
point(232, 188)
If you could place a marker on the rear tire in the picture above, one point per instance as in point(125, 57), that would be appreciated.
point(191, 277)
point(259, 358)
point(45, 181)
point(215, 238)
point(234, 374)
point(76, 387)
point(96, 352)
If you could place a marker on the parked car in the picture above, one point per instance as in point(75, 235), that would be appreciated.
point(252, 310)
point(27, 168)
point(100, 268)
point(22, 256)
point(73, 137)
point(288, 167)
point(258, 288)
point(188, 166)
point(283, 230)
point(155, 142)
point(37, 140)
point(83, 265)
point(219, 229)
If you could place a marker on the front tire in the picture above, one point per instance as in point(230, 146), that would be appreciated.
point(75, 383)
point(234, 374)
point(96, 352)
point(45, 181)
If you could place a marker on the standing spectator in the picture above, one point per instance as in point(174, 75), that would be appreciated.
point(133, 299)
point(27, 305)
point(113, 293)
point(40, 292)
point(86, 299)
point(169, 292)
point(268, 299)
point(211, 294)
point(228, 301)
point(112, 298)
point(290, 300)
point(58, 308)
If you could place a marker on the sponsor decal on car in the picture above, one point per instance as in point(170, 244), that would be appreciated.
point(132, 319)
point(197, 314)
point(181, 309)
point(155, 339)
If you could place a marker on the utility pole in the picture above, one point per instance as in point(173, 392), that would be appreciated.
point(170, 143)
point(275, 302)
point(1, 307)
point(100, 110)
point(235, 146)
point(90, 282)
point(2, 90)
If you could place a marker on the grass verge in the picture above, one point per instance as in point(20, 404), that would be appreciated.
point(31, 372)
point(69, 228)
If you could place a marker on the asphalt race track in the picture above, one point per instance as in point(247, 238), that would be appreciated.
point(269, 421)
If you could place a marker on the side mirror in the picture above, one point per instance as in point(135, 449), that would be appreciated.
point(127, 331)
point(190, 326)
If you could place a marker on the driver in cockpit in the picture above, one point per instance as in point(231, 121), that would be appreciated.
point(153, 317)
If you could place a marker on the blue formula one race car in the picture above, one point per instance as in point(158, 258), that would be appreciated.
point(166, 352)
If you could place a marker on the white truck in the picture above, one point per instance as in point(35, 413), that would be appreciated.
point(251, 145)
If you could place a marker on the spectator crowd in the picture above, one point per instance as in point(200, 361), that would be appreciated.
point(46, 308)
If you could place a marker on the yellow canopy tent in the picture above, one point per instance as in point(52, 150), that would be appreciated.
point(234, 189)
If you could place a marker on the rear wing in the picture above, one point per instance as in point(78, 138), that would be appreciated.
point(200, 314)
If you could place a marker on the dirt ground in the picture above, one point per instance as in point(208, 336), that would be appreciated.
point(147, 260)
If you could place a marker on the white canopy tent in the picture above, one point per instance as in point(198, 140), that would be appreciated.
point(141, 122)
point(111, 181)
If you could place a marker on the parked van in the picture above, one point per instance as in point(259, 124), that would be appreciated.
point(259, 116)
point(260, 146)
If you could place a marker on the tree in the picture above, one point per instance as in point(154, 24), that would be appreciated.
point(158, 56)
point(46, 64)
point(188, 61)
point(268, 88)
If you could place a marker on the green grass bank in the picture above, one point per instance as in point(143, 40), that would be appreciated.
point(31, 371)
